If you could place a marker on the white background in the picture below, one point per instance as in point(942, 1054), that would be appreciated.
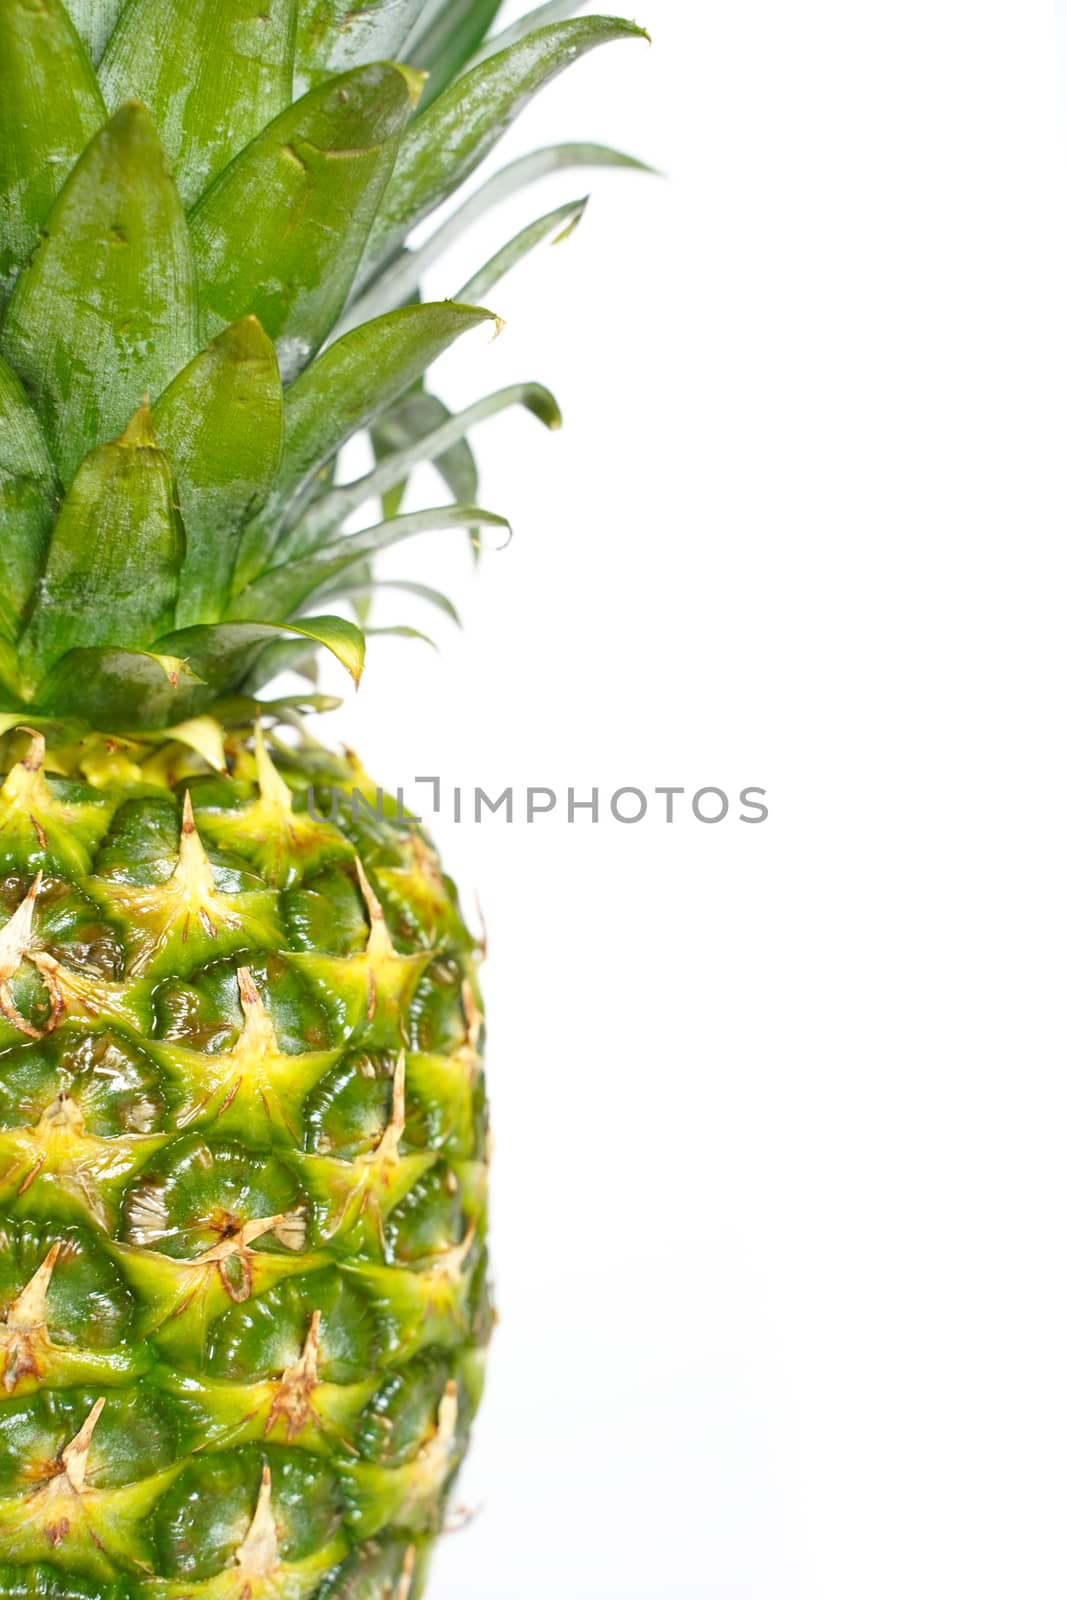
point(780, 1211)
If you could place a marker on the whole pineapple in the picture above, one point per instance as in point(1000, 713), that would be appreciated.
point(243, 1146)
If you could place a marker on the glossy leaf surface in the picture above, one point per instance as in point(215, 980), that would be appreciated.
point(50, 107)
point(282, 231)
point(106, 311)
point(296, 581)
point(443, 147)
point(213, 73)
point(221, 423)
point(111, 577)
point(28, 495)
point(335, 36)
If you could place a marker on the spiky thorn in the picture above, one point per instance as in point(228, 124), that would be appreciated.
point(289, 1227)
point(380, 1168)
point(75, 1458)
point(483, 943)
point(55, 1507)
point(428, 861)
point(380, 945)
point(33, 760)
point(273, 790)
point(450, 1265)
point(192, 873)
point(387, 1153)
point(435, 1457)
point(25, 788)
point(257, 1036)
point(24, 1336)
point(258, 1041)
point(257, 1555)
point(431, 1467)
point(18, 943)
point(407, 1576)
point(444, 1275)
point(293, 1400)
point(473, 1020)
point(379, 942)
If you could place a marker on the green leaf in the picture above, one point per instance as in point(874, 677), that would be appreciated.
point(561, 222)
point(95, 20)
point(284, 655)
point(335, 36)
point(291, 585)
point(414, 418)
point(444, 147)
point(357, 377)
point(213, 73)
point(183, 674)
point(402, 631)
point(281, 232)
point(111, 577)
point(10, 685)
point(50, 107)
point(346, 389)
point(421, 591)
point(220, 653)
point(452, 36)
point(399, 281)
point(120, 689)
point(221, 423)
point(554, 11)
point(107, 308)
point(28, 498)
point(326, 517)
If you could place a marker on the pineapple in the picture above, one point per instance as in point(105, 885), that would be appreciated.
point(243, 1139)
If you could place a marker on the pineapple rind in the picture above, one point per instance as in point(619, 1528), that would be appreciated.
point(241, 1180)
point(243, 1141)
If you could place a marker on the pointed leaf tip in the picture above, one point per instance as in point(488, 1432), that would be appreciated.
point(449, 140)
point(139, 434)
point(224, 71)
point(111, 575)
point(282, 229)
point(221, 423)
point(115, 249)
point(415, 79)
point(42, 133)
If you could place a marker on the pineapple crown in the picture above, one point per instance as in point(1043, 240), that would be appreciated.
point(206, 290)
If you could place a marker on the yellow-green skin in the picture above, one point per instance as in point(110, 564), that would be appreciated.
point(242, 1177)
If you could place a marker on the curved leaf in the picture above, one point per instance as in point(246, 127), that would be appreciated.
point(106, 310)
point(111, 577)
point(444, 147)
point(561, 222)
point(291, 585)
point(402, 630)
point(282, 230)
point(326, 517)
point(225, 72)
point(50, 107)
point(398, 282)
point(284, 655)
point(421, 591)
point(95, 21)
point(415, 417)
point(451, 37)
point(119, 689)
point(28, 499)
point(221, 423)
point(347, 387)
point(541, 17)
point(335, 36)
point(220, 653)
